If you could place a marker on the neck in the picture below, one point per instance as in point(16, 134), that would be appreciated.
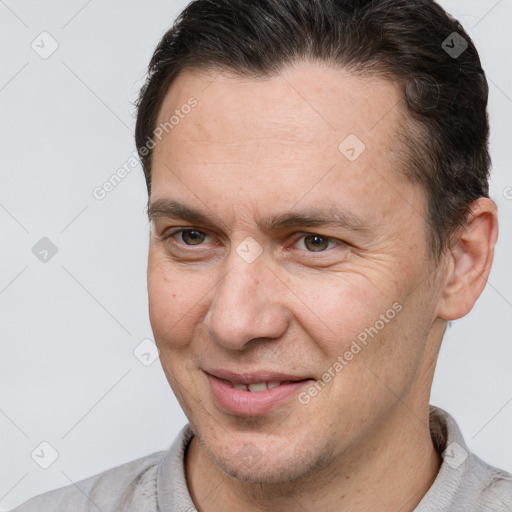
point(389, 470)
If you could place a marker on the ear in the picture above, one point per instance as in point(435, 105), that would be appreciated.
point(469, 260)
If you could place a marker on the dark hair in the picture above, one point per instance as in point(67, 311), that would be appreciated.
point(411, 42)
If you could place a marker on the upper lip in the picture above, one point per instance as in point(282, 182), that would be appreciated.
point(254, 376)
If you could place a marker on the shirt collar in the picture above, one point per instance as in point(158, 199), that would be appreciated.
point(455, 470)
point(171, 485)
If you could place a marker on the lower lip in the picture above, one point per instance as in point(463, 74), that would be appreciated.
point(252, 403)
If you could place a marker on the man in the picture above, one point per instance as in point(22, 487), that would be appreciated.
point(317, 174)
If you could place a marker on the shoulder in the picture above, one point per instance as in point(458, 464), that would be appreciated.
point(464, 482)
point(130, 486)
point(491, 487)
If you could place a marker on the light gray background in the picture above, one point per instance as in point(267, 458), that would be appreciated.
point(68, 375)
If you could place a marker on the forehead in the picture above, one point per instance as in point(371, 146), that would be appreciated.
point(314, 96)
point(310, 130)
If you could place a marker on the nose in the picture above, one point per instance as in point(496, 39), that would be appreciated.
point(246, 305)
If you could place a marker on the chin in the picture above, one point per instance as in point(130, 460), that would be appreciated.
point(262, 475)
point(270, 468)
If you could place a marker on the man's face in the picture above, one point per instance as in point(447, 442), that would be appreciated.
point(241, 291)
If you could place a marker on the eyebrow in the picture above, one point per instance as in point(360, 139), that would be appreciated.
point(330, 215)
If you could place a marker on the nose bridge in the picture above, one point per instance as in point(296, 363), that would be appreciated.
point(245, 305)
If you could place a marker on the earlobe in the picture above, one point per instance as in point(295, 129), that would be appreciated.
point(469, 260)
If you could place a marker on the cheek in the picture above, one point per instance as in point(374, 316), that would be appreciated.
point(337, 309)
point(176, 302)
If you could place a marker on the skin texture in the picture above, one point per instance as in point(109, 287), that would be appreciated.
point(252, 149)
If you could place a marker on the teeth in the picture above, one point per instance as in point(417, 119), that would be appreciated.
point(257, 386)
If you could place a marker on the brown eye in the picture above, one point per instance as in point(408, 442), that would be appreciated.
point(316, 243)
point(192, 237)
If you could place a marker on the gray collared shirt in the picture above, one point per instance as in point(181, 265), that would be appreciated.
point(156, 483)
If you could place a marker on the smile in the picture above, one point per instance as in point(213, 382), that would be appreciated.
point(253, 398)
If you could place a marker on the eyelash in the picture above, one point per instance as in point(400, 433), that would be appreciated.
point(336, 242)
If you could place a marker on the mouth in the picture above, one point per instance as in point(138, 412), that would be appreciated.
point(256, 387)
point(253, 394)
